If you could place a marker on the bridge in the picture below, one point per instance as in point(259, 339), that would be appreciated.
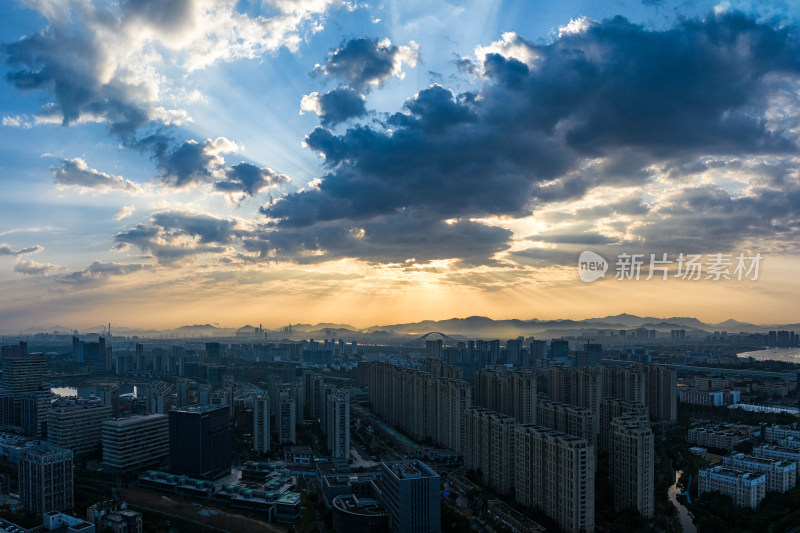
point(420, 341)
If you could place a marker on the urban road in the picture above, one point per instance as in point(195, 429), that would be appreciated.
point(788, 376)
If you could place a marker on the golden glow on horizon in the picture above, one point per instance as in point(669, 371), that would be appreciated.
point(362, 296)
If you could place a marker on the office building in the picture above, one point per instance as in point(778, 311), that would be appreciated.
point(109, 395)
point(45, 479)
point(261, 425)
point(631, 463)
point(200, 441)
point(339, 426)
point(746, 488)
point(77, 427)
point(554, 472)
point(33, 411)
point(781, 474)
point(6, 409)
point(204, 393)
point(22, 373)
point(135, 442)
point(411, 496)
point(182, 397)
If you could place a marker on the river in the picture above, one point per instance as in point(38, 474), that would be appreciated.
point(684, 515)
point(789, 355)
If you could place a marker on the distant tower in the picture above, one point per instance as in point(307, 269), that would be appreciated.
point(109, 329)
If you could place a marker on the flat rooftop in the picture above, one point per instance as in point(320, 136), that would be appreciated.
point(200, 408)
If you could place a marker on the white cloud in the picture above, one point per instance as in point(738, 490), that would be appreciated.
point(76, 173)
point(510, 45)
point(124, 212)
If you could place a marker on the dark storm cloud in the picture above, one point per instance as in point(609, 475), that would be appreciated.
point(700, 86)
point(339, 105)
point(605, 106)
point(366, 62)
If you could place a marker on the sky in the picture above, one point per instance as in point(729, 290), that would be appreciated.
point(280, 161)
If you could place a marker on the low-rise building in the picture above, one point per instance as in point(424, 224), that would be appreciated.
point(781, 474)
point(746, 488)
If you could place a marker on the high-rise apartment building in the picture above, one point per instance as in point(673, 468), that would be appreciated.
point(554, 472)
point(135, 442)
point(287, 431)
point(662, 393)
point(610, 409)
point(261, 423)
point(339, 426)
point(631, 464)
point(411, 496)
point(490, 447)
point(507, 392)
point(45, 479)
point(420, 404)
point(572, 420)
point(200, 441)
point(158, 398)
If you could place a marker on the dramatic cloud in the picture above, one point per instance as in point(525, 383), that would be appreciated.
point(176, 236)
point(7, 250)
point(34, 268)
point(108, 63)
point(364, 63)
point(249, 180)
point(336, 106)
point(191, 163)
point(99, 270)
point(603, 105)
point(408, 236)
point(75, 172)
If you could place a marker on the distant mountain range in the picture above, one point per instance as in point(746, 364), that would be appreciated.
point(473, 326)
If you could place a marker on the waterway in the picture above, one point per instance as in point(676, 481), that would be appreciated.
point(684, 516)
point(789, 355)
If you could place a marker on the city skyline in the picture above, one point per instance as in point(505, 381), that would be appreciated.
point(364, 163)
